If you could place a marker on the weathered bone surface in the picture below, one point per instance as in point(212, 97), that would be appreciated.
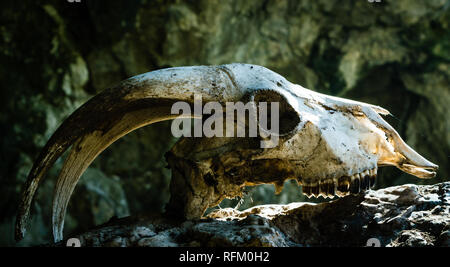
point(331, 146)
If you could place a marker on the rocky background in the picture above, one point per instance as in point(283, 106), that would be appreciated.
point(54, 55)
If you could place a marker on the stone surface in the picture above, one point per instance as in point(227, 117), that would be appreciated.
point(394, 54)
point(400, 216)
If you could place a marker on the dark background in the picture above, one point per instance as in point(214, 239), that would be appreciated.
point(54, 55)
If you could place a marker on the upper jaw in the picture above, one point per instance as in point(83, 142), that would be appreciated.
point(421, 168)
point(341, 186)
point(359, 182)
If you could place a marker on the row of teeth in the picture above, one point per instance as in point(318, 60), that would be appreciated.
point(342, 186)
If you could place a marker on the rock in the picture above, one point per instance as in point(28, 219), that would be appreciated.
point(100, 199)
point(400, 216)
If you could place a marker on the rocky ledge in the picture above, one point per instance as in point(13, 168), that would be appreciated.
point(406, 215)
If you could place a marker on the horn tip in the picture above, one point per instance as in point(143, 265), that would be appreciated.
point(19, 232)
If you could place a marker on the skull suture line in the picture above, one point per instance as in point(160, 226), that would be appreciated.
point(331, 146)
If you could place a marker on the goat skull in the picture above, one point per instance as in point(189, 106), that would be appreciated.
point(331, 146)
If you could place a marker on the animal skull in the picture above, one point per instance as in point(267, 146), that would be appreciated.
point(331, 146)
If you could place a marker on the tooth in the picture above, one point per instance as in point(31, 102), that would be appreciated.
point(331, 188)
point(373, 177)
point(372, 181)
point(354, 186)
point(334, 189)
point(324, 188)
point(328, 193)
point(306, 189)
point(315, 190)
point(343, 186)
point(365, 180)
point(362, 183)
point(336, 192)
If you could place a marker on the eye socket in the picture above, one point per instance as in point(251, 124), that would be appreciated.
point(288, 117)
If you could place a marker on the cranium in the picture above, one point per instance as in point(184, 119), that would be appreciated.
point(330, 145)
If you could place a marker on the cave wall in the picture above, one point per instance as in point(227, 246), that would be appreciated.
point(55, 55)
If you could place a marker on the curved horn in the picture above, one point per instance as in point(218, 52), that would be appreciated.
point(134, 103)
